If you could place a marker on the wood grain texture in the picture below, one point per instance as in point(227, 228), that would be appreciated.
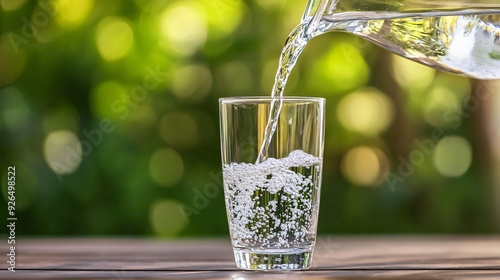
point(377, 257)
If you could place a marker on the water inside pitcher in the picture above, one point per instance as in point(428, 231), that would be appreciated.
point(457, 36)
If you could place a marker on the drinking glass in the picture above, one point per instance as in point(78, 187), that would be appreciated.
point(272, 206)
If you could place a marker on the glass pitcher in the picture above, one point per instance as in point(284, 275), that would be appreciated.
point(457, 36)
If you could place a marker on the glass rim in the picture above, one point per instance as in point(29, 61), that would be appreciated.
point(265, 99)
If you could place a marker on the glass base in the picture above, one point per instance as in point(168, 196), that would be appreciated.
point(282, 260)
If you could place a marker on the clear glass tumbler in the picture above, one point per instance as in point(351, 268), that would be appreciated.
point(272, 206)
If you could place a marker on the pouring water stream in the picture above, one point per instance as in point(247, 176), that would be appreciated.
point(462, 41)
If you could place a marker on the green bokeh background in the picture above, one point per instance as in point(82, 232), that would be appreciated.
point(109, 112)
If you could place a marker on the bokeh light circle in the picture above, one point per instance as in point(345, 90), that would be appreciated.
point(453, 156)
point(63, 151)
point(110, 99)
point(191, 82)
point(12, 5)
point(71, 13)
point(114, 38)
point(166, 167)
point(184, 26)
point(365, 166)
point(411, 75)
point(366, 111)
point(167, 218)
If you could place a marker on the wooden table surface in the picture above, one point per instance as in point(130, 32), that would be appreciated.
point(378, 257)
